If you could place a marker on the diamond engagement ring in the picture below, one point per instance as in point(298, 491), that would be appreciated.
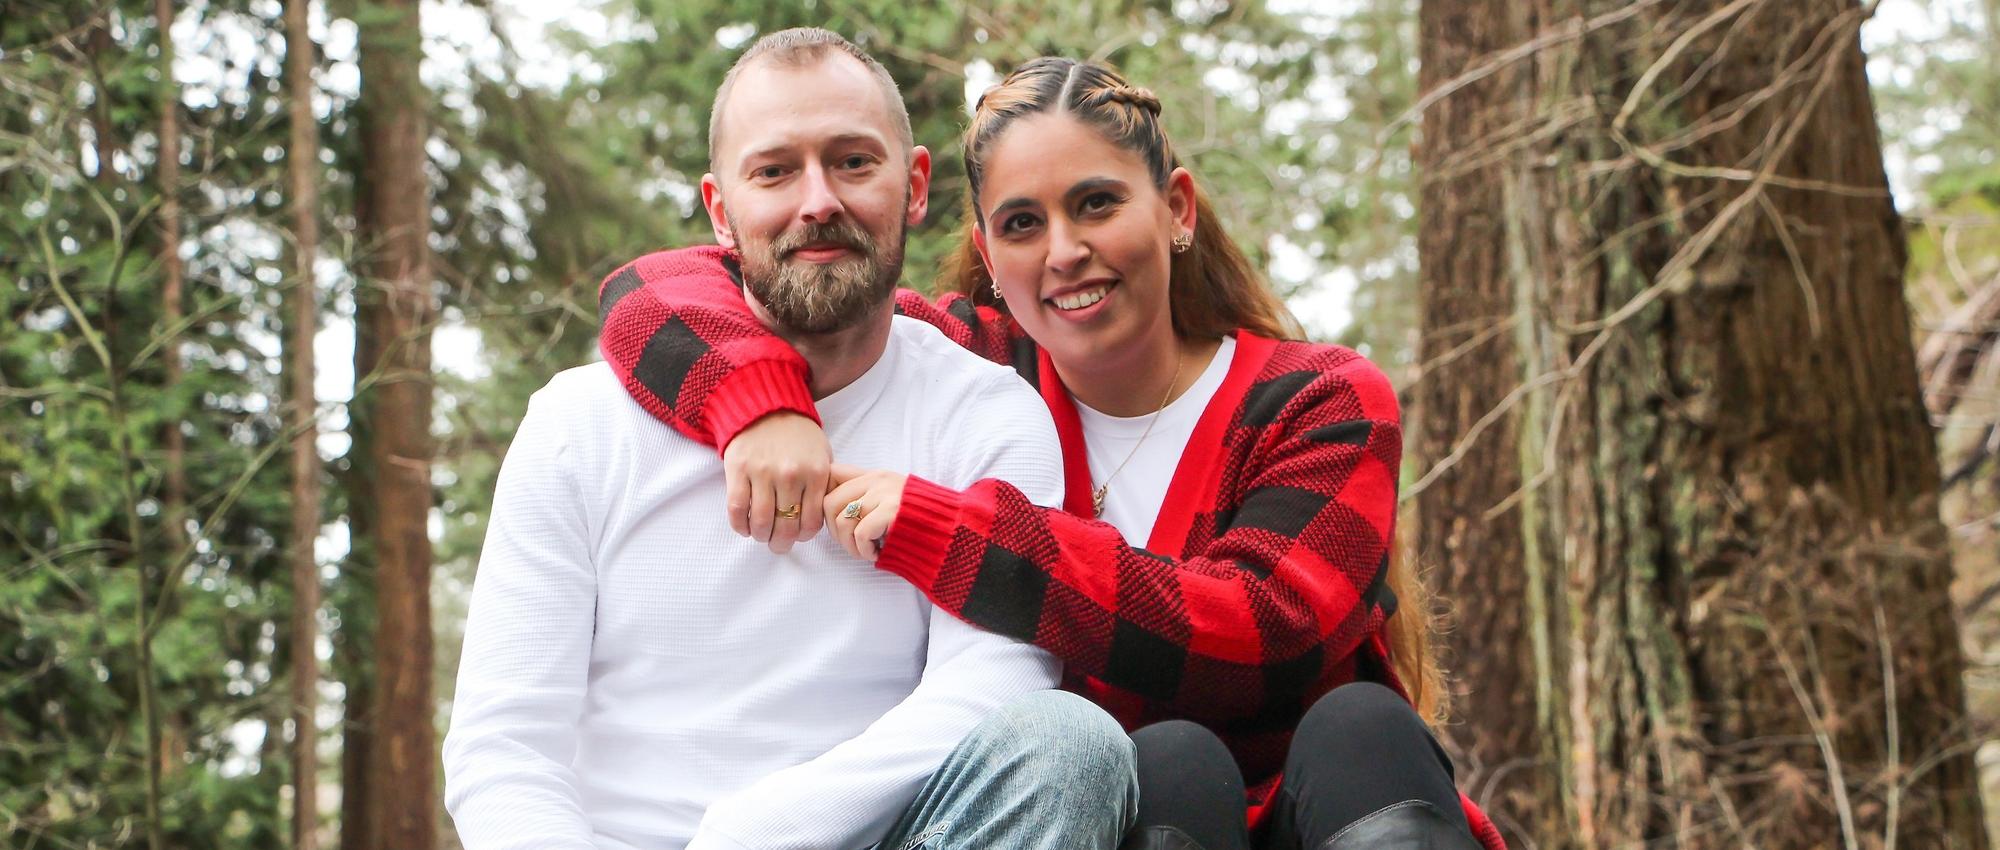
point(852, 511)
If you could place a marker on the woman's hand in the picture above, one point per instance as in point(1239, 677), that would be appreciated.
point(775, 479)
point(862, 506)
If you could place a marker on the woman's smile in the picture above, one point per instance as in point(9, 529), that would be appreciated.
point(1075, 301)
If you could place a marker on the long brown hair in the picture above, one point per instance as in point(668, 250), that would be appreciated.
point(1212, 290)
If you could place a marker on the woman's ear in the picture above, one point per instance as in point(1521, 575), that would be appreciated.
point(985, 259)
point(1181, 199)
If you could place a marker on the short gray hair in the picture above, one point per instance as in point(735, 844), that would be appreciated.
point(797, 48)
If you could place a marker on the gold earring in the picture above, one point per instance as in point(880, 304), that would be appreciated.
point(1182, 242)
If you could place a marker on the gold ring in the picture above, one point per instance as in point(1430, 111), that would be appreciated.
point(852, 511)
point(790, 513)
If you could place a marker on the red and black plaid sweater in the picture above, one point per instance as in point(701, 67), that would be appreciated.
point(1260, 589)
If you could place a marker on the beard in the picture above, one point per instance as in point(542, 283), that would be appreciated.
point(818, 298)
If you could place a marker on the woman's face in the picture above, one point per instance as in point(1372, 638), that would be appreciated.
point(1079, 239)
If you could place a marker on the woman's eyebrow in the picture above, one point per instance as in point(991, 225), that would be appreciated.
point(1009, 204)
point(1082, 187)
point(1092, 184)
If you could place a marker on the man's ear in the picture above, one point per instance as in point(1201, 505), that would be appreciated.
point(718, 216)
point(920, 185)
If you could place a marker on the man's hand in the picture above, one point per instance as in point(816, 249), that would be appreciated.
point(862, 506)
point(775, 474)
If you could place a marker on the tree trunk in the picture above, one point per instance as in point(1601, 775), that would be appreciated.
point(303, 167)
point(173, 496)
point(1467, 346)
point(356, 818)
point(160, 747)
point(1737, 631)
point(395, 301)
point(354, 643)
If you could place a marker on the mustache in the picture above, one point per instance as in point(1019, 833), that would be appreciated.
point(843, 234)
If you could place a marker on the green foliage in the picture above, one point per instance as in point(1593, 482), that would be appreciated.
point(1938, 96)
point(91, 557)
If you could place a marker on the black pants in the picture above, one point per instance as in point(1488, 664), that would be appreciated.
point(1359, 749)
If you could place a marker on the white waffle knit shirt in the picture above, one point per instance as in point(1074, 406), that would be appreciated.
point(635, 675)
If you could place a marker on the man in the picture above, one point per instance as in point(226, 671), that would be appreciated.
point(635, 675)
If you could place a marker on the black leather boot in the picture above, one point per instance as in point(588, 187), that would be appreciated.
point(1409, 825)
point(1159, 838)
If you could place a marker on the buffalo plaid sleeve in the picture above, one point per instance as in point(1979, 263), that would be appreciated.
point(686, 346)
point(1281, 584)
point(984, 331)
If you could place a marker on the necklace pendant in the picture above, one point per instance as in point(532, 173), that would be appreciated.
point(1097, 495)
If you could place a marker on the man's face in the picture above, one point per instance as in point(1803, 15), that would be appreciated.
point(814, 189)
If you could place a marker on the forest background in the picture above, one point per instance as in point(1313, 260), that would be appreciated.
point(1694, 304)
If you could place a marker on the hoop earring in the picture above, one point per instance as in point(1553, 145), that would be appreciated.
point(1182, 242)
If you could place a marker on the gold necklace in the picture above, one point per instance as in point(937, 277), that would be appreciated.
point(1097, 495)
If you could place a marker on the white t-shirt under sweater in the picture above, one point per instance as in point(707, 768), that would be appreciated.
point(635, 675)
point(1136, 495)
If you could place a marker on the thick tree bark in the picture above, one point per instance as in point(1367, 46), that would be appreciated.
point(303, 324)
point(1467, 345)
point(395, 303)
point(1738, 631)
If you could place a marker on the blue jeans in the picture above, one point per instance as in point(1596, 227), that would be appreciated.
point(1050, 771)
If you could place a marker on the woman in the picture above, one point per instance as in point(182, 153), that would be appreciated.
point(1219, 572)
